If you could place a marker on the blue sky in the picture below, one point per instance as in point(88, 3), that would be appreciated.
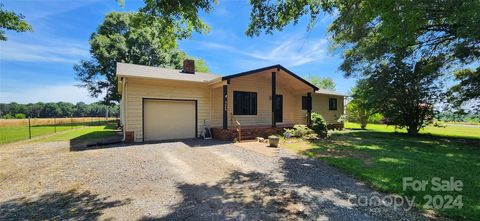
point(37, 66)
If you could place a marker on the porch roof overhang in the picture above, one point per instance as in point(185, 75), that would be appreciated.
point(276, 67)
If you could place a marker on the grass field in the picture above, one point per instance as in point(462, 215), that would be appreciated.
point(382, 158)
point(85, 133)
point(470, 131)
point(18, 133)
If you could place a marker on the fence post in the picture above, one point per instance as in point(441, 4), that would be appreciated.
point(29, 129)
point(55, 124)
point(71, 122)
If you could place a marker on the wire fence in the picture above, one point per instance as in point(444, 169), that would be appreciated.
point(12, 130)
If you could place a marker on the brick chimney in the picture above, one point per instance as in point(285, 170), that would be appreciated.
point(189, 66)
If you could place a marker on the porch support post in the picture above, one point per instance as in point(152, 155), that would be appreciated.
point(309, 109)
point(274, 93)
point(225, 106)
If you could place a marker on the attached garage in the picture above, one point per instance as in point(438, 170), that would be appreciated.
point(167, 119)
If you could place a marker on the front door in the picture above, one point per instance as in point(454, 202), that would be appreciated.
point(278, 108)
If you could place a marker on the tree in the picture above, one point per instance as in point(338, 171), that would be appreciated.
point(322, 82)
point(66, 109)
point(370, 30)
point(467, 89)
point(35, 110)
point(201, 66)
point(433, 34)
point(59, 109)
point(51, 110)
point(10, 20)
point(404, 91)
point(81, 109)
point(129, 38)
point(360, 109)
point(180, 13)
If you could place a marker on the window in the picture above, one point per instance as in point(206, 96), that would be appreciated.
point(306, 103)
point(332, 104)
point(244, 103)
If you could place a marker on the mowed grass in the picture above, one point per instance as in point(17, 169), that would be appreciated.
point(18, 133)
point(86, 133)
point(469, 131)
point(382, 158)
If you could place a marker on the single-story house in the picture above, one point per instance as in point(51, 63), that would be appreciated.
point(162, 104)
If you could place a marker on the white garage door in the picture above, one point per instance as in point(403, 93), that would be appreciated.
point(168, 119)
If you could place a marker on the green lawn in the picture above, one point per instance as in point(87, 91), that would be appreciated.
point(86, 133)
point(382, 158)
point(18, 133)
point(448, 131)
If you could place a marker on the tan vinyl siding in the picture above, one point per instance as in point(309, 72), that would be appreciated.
point(262, 85)
point(320, 105)
point(292, 107)
point(252, 83)
point(139, 89)
point(217, 107)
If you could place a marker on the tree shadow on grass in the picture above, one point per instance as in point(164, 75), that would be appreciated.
point(405, 136)
point(382, 159)
point(70, 205)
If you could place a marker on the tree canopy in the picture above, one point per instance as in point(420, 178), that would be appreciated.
point(467, 90)
point(59, 109)
point(360, 108)
point(180, 13)
point(407, 44)
point(370, 30)
point(10, 20)
point(405, 91)
point(201, 65)
point(129, 38)
point(322, 82)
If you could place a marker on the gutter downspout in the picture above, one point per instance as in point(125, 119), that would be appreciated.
point(124, 99)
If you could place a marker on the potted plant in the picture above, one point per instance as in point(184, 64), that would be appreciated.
point(273, 140)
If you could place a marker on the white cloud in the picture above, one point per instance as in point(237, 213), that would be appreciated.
point(40, 10)
point(291, 52)
point(295, 52)
point(59, 52)
point(49, 93)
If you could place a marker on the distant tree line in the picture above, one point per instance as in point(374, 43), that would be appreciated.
point(60, 109)
point(459, 116)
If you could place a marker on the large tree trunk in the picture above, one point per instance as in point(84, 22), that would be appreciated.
point(363, 119)
point(363, 124)
point(413, 128)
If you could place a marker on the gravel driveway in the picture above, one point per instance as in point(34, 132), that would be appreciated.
point(187, 180)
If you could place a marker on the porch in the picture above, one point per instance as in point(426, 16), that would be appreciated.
point(261, 98)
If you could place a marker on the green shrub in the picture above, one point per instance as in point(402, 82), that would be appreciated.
point(301, 131)
point(375, 118)
point(20, 116)
point(319, 125)
point(7, 116)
